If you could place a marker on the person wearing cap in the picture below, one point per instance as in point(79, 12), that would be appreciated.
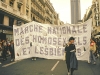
point(71, 60)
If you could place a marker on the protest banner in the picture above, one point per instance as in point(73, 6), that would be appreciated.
point(46, 41)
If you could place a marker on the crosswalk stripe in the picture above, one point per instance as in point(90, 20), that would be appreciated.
point(10, 64)
point(54, 66)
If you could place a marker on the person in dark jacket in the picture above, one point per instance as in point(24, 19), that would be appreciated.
point(11, 49)
point(71, 60)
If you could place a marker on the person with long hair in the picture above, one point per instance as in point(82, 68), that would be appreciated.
point(71, 60)
point(92, 51)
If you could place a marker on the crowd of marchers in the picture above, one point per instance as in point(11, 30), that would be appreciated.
point(97, 42)
point(6, 49)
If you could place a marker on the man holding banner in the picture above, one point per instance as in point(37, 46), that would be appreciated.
point(71, 60)
point(48, 40)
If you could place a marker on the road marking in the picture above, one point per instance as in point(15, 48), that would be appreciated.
point(10, 64)
point(54, 66)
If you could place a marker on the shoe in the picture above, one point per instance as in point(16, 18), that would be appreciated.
point(34, 58)
point(0, 63)
point(89, 62)
point(11, 59)
point(94, 63)
point(68, 73)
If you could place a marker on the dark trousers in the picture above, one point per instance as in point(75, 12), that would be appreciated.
point(4, 54)
point(12, 55)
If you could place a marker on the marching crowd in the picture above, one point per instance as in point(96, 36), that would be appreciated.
point(94, 50)
point(6, 47)
point(97, 42)
point(70, 49)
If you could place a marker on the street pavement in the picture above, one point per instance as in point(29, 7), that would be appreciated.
point(46, 67)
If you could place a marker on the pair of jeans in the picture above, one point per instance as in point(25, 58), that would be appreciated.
point(92, 57)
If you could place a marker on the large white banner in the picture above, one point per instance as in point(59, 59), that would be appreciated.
point(46, 41)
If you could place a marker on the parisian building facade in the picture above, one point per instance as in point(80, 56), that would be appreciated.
point(94, 13)
point(18, 12)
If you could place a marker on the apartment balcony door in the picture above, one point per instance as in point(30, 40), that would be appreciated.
point(2, 36)
point(1, 18)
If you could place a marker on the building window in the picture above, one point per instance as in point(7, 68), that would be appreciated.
point(11, 3)
point(27, 12)
point(19, 8)
point(19, 22)
point(1, 18)
point(3, 0)
point(33, 18)
point(11, 21)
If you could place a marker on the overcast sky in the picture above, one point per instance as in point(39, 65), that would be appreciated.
point(62, 7)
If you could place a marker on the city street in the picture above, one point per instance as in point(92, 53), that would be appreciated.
point(46, 67)
point(49, 30)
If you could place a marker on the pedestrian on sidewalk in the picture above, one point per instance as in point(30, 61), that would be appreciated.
point(71, 60)
point(92, 51)
point(11, 49)
point(4, 46)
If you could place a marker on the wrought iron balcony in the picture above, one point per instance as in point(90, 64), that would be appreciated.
point(42, 2)
point(38, 5)
point(49, 6)
point(48, 19)
point(8, 9)
point(37, 13)
point(34, 11)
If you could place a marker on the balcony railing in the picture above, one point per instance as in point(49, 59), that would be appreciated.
point(6, 8)
point(38, 5)
point(37, 13)
point(48, 19)
point(48, 13)
point(42, 2)
point(34, 11)
point(49, 6)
